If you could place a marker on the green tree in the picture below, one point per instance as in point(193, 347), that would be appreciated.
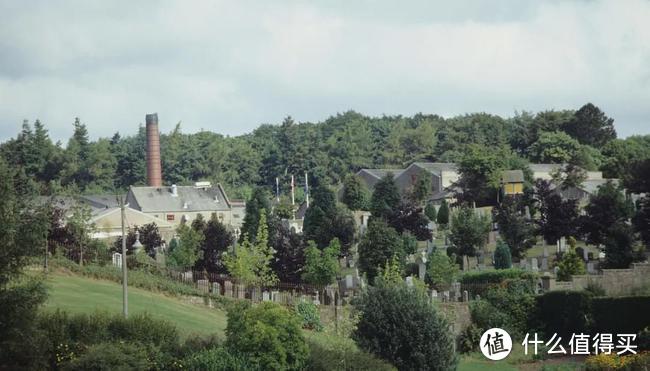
point(150, 238)
point(591, 126)
point(569, 265)
point(321, 267)
point(325, 220)
point(23, 231)
point(502, 256)
point(289, 253)
point(379, 244)
point(399, 324)
point(554, 147)
point(430, 212)
point(606, 209)
point(558, 218)
point(188, 249)
point(259, 201)
point(619, 247)
point(385, 198)
point(442, 269)
point(80, 228)
point(217, 239)
point(251, 262)
point(469, 231)
point(480, 172)
point(268, 335)
point(641, 220)
point(422, 187)
point(355, 195)
point(514, 227)
point(443, 214)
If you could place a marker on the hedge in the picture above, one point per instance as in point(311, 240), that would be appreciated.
point(496, 276)
point(629, 314)
point(569, 312)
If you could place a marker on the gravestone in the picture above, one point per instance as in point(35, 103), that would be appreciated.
point(349, 282)
point(585, 255)
point(266, 296)
point(422, 265)
point(187, 276)
point(555, 270)
point(591, 268)
point(203, 286)
point(533, 264)
point(409, 281)
point(216, 288)
point(275, 296)
point(227, 289)
point(456, 290)
point(316, 300)
point(241, 291)
point(117, 260)
point(445, 296)
point(523, 264)
point(544, 264)
point(545, 253)
point(256, 294)
point(465, 296)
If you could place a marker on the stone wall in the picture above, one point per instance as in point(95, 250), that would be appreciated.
point(615, 282)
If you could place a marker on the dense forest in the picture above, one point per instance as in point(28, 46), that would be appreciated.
point(328, 150)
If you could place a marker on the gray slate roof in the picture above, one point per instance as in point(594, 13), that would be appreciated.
point(380, 173)
point(437, 167)
point(190, 198)
point(544, 167)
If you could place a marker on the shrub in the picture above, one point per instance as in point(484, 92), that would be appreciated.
point(442, 269)
point(570, 264)
point(399, 324)
point(332, 353)
point(110, 356)
point(507, 306)
point(609, 362)
point(310, 316)
point(595, 289)
point(268, 335)
point(502, 258)
point(217, 359)
point(469, 339)
point(643, 339)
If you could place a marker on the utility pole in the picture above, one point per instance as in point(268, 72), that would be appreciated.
point(125, 300)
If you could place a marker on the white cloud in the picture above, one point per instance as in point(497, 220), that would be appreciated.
point(229, 66)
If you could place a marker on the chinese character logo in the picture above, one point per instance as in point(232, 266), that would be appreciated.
point(496, 344)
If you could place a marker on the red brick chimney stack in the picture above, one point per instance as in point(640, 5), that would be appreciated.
point(154, 168)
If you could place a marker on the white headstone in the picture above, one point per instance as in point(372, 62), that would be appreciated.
point(534, 266)
point(117, 260)
point(349, 282)
point(544, 264)
point(409, 281)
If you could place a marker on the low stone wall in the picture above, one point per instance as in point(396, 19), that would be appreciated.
point(615, 282)
point(458, 315)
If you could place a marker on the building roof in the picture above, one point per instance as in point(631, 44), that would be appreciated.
point(512, 176)
point(380, 173)
point(188, 198)
point(437, 167)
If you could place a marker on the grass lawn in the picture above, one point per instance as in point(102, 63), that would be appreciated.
point(76, 294)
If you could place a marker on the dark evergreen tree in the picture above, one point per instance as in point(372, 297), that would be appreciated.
point(289, 253)
point(355, 195)
point(409, 218)
point(502, 257)
point(443, 214)
point(217, 239)
point(516, 230)
point(430, 212)
point(258, 201)
point(619, 247)
point(641, 220)
point(385, 198)
point(558, 218)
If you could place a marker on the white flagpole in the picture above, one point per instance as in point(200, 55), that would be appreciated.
point(277, 189)
point(293, 197)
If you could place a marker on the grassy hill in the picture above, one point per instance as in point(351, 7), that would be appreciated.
point(76, 294)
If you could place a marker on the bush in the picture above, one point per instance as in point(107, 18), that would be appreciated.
point(331, 353)
point(111, 356)
point(399, 324)
point(310, 316)
point(609, 362)
point(268, 335)
point(217, 359)
point(564, 313)
point(507, 306)
point(468, 340)
point(442, 269)
point(70, 335)
point(570, 264)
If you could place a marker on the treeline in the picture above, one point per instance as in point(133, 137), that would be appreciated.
point(328, 150)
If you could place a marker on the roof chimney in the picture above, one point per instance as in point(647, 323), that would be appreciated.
point(154, 169)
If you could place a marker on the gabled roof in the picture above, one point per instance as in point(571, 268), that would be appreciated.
point(512, 176)
point(129, 211)
point(189, 198)
point(436, 167)
point(380, 173)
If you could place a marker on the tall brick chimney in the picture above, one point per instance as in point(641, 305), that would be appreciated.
point(154, 168)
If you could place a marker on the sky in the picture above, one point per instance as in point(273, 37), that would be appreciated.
point(229, 66)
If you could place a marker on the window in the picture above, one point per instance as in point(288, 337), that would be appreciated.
point(170, 217)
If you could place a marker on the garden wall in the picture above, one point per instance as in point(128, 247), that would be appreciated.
point(615, 282)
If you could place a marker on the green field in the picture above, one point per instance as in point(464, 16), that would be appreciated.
point(76, 294)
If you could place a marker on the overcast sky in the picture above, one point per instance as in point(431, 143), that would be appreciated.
point(229, 66)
